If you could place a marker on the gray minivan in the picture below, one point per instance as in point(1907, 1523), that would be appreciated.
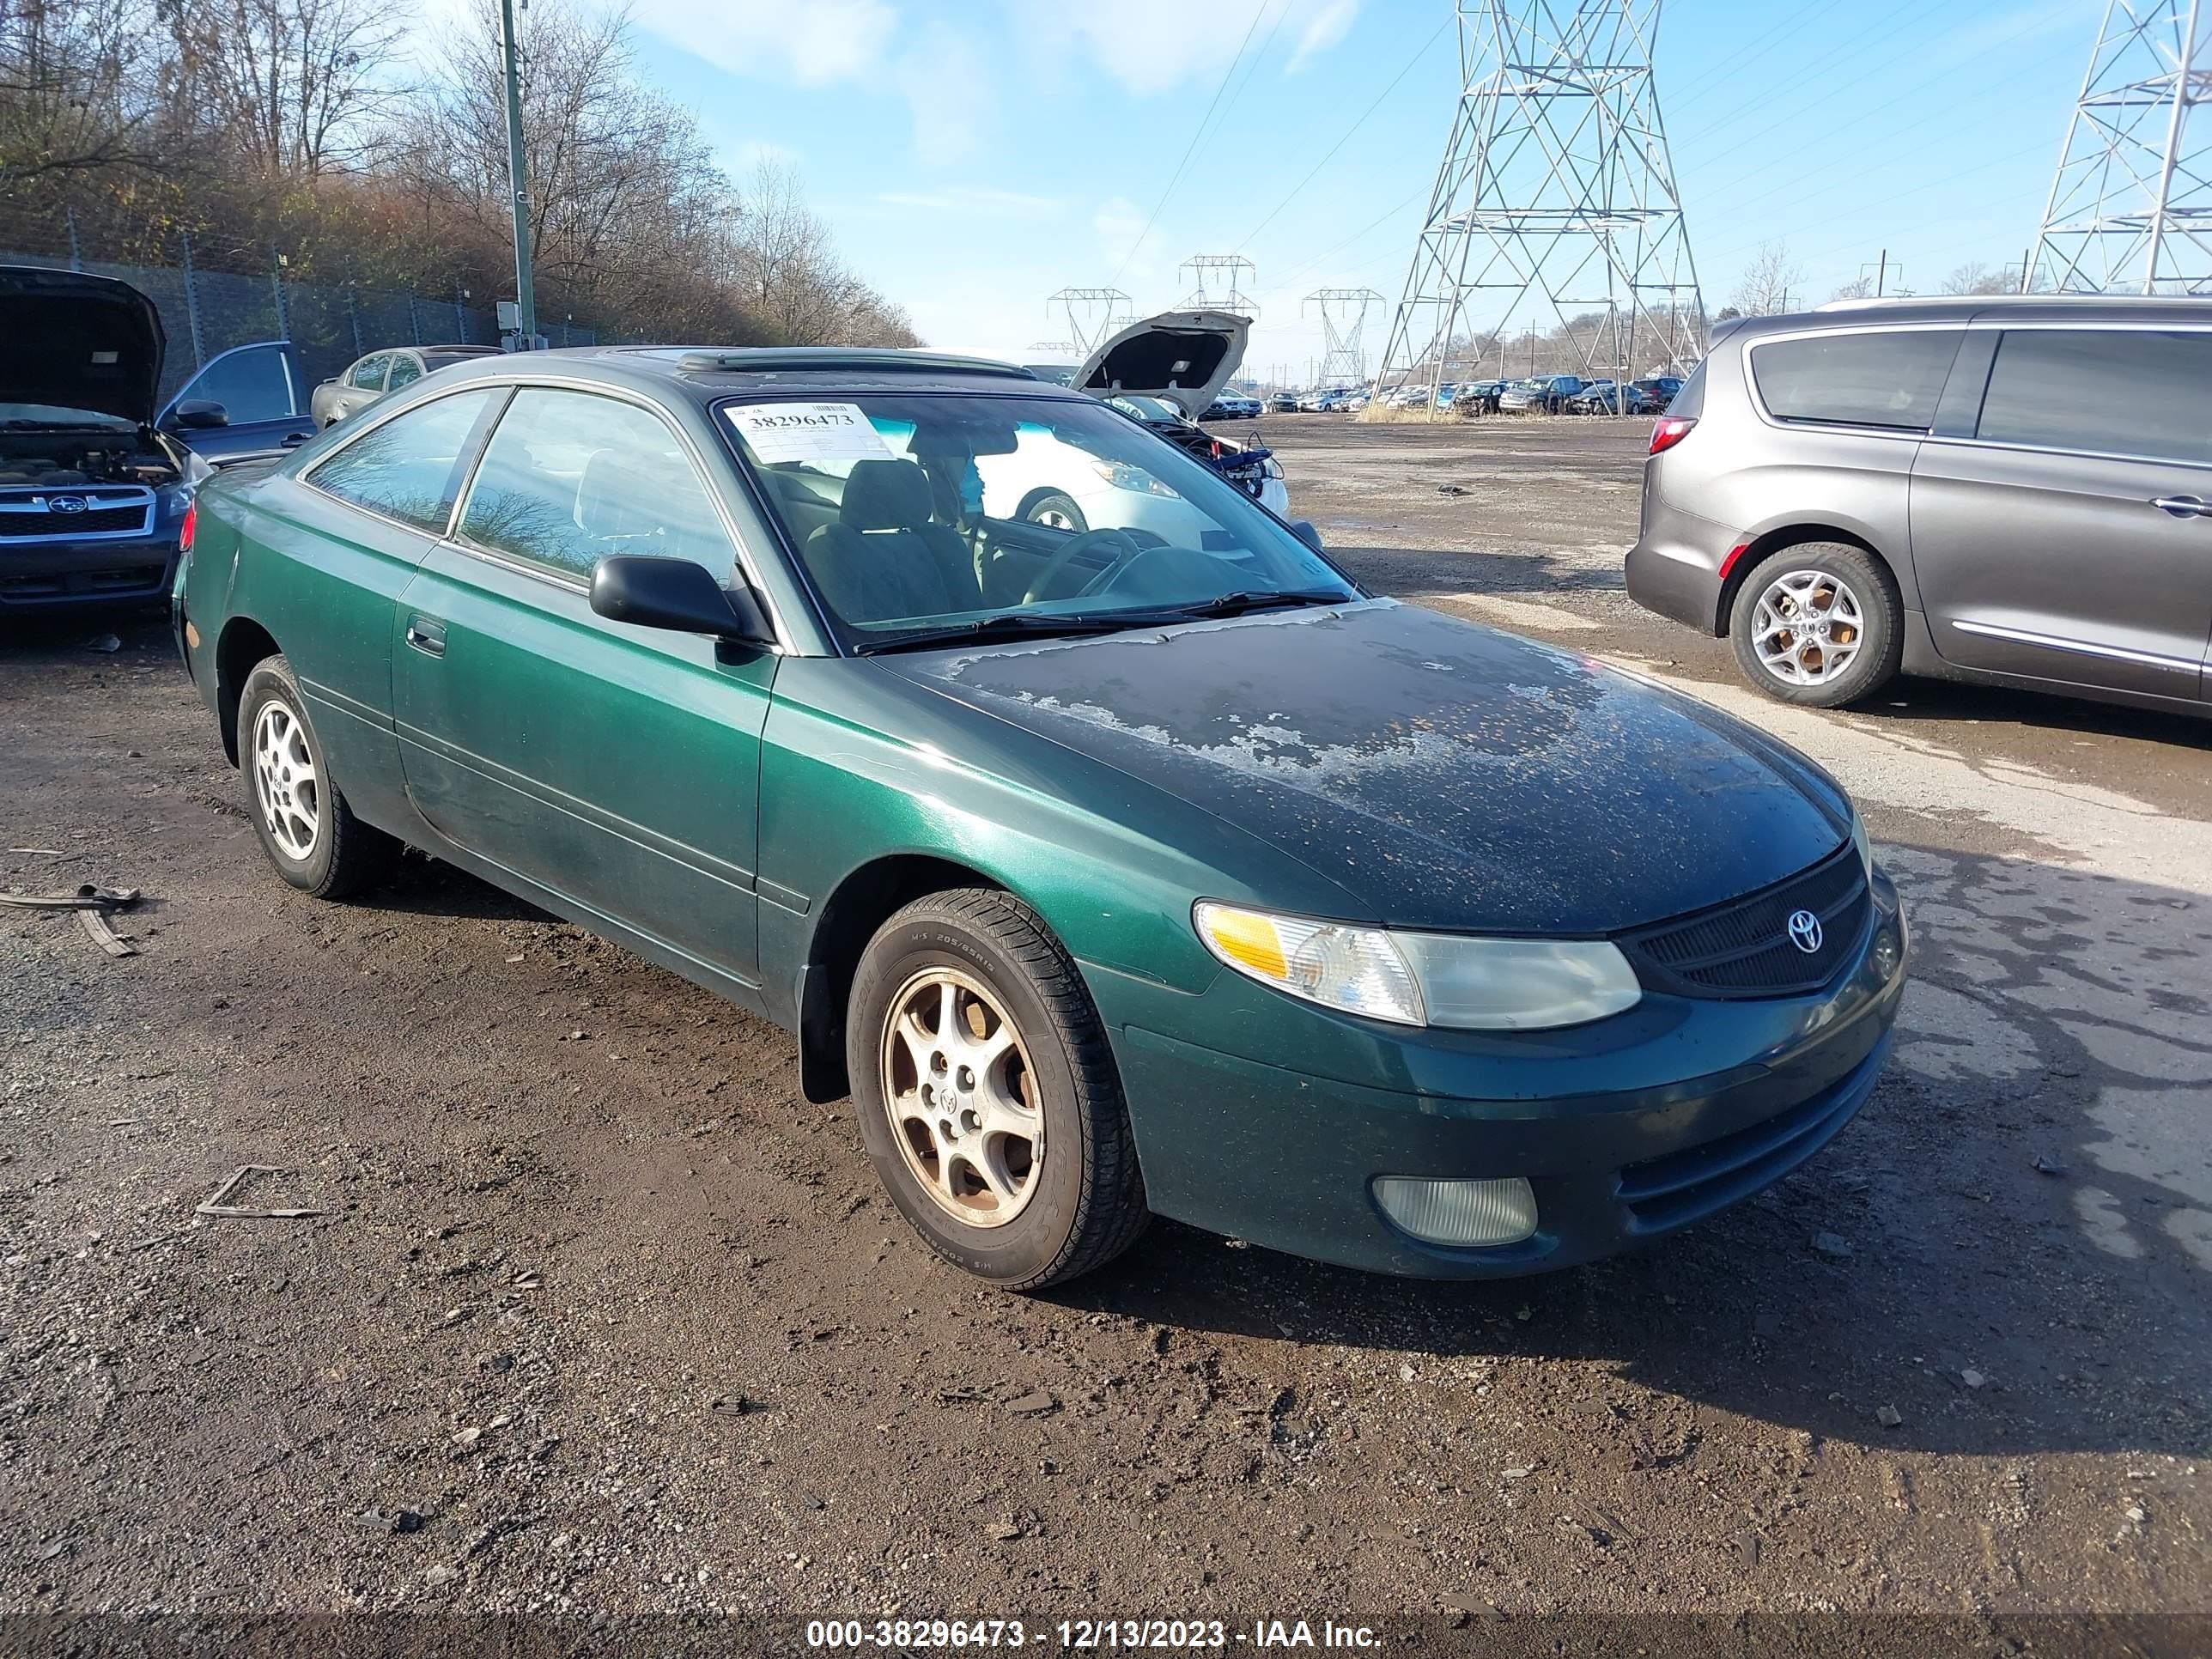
point(2011, 491)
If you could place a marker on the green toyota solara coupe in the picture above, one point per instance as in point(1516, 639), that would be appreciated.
point(1103, 840)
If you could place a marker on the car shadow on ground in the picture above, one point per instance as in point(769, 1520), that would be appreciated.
point(2009, 1250)
point(1910, 700)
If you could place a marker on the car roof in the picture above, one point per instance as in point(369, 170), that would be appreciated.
point(709, 373)
point(2149, 310)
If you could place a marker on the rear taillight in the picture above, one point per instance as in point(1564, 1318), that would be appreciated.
point(191, 522)
point(1670, 431)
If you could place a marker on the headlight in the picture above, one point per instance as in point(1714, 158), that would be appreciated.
point(1124, 476)
point(1424, 979)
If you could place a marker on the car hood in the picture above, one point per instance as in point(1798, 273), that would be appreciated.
point(1445, 775)
point(79, 342)
point(1180, 357)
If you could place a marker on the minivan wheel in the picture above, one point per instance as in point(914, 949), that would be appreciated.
point(1819, 625)
point(306, 826)
point(987, 1095)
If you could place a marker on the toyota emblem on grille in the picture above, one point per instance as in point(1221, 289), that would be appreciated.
point(66, 503)
point(1805, 930)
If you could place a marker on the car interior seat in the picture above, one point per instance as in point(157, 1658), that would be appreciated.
point(886, 556)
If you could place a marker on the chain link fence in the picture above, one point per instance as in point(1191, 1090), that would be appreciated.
point(206, 312)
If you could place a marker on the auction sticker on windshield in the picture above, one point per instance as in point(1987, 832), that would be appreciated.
point(808, 432)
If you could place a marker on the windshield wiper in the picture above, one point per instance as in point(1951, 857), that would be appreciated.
point(1236, 603)
point(1014, 625)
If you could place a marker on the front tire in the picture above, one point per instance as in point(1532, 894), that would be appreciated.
point(987, 1094)
point(1819, 625)
point(306, 826)
point(1053, 508)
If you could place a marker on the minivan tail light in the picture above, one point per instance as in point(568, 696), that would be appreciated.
point(190, 524)
point(1670, 431)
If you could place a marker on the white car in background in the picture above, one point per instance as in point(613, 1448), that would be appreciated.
point(1163, 373)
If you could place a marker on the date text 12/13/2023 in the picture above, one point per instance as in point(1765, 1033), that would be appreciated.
point(1085, 1634)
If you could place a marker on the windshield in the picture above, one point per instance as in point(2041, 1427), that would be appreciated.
point(940, 515)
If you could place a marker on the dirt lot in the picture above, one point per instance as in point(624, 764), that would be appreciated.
point(598, 1316)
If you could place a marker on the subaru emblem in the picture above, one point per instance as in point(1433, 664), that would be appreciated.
point(1805, 930)
point(66, 503)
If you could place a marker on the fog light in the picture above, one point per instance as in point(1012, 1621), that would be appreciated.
point(1459, 1212)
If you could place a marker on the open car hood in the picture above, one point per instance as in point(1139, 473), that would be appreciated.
point(1180, 357)
point(79, 342)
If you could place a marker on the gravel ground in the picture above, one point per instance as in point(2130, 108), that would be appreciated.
point(598, 1317)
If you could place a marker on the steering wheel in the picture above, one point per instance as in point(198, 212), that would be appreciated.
point(1121, 550)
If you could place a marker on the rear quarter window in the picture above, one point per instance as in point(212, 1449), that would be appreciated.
point(1867, 376)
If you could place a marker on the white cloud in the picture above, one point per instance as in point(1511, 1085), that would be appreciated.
point(814, 43)
point(1155, 47)
point(1327, 27)
point(950, 91)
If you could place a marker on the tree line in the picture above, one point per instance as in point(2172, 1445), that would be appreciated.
point(309, 130)
point(1774, 283)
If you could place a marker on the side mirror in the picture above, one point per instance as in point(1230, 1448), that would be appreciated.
point(1304, 530)
point(197, 414)
point(649, 592)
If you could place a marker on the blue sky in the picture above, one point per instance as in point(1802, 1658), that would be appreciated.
point(974, 156)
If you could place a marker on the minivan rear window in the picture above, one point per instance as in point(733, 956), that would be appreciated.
point(2111, 392)
point(1867, 377)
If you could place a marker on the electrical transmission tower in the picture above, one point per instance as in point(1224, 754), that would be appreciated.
point(1555, 199)
point(1091, 314)
point(1228, 270)
point(2130, 206)
point(1343, 328)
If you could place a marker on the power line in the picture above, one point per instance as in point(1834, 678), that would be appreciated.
point(1755, 49)
point(1176, 178)
point(1423, 52)
point(1910, 12)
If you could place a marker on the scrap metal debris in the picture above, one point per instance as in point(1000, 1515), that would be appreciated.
point(93, 905)
point(218, 1203)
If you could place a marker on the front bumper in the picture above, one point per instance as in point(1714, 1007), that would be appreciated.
point(65, 576)
point(1657, 1118)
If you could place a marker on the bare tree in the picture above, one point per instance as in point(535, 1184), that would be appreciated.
point(1859, 287)
point(77, 89)
point(1769, 281)
point(289, 84)
point(1975, 277)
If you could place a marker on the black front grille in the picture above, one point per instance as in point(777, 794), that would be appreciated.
point(29, 514)
point(1746, 947)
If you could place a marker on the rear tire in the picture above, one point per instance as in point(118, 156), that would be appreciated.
point(987, 1095)
point(1819, 625)
point(306, 826)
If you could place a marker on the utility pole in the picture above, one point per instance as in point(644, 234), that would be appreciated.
point(510, 52)
point(1880, 272)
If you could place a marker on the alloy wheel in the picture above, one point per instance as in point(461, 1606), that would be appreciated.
point(962, 1097)
point(286, 781)
point(1807, 628)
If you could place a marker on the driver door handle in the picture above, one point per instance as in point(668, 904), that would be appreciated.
point(427, 635)
point(2183, 507)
